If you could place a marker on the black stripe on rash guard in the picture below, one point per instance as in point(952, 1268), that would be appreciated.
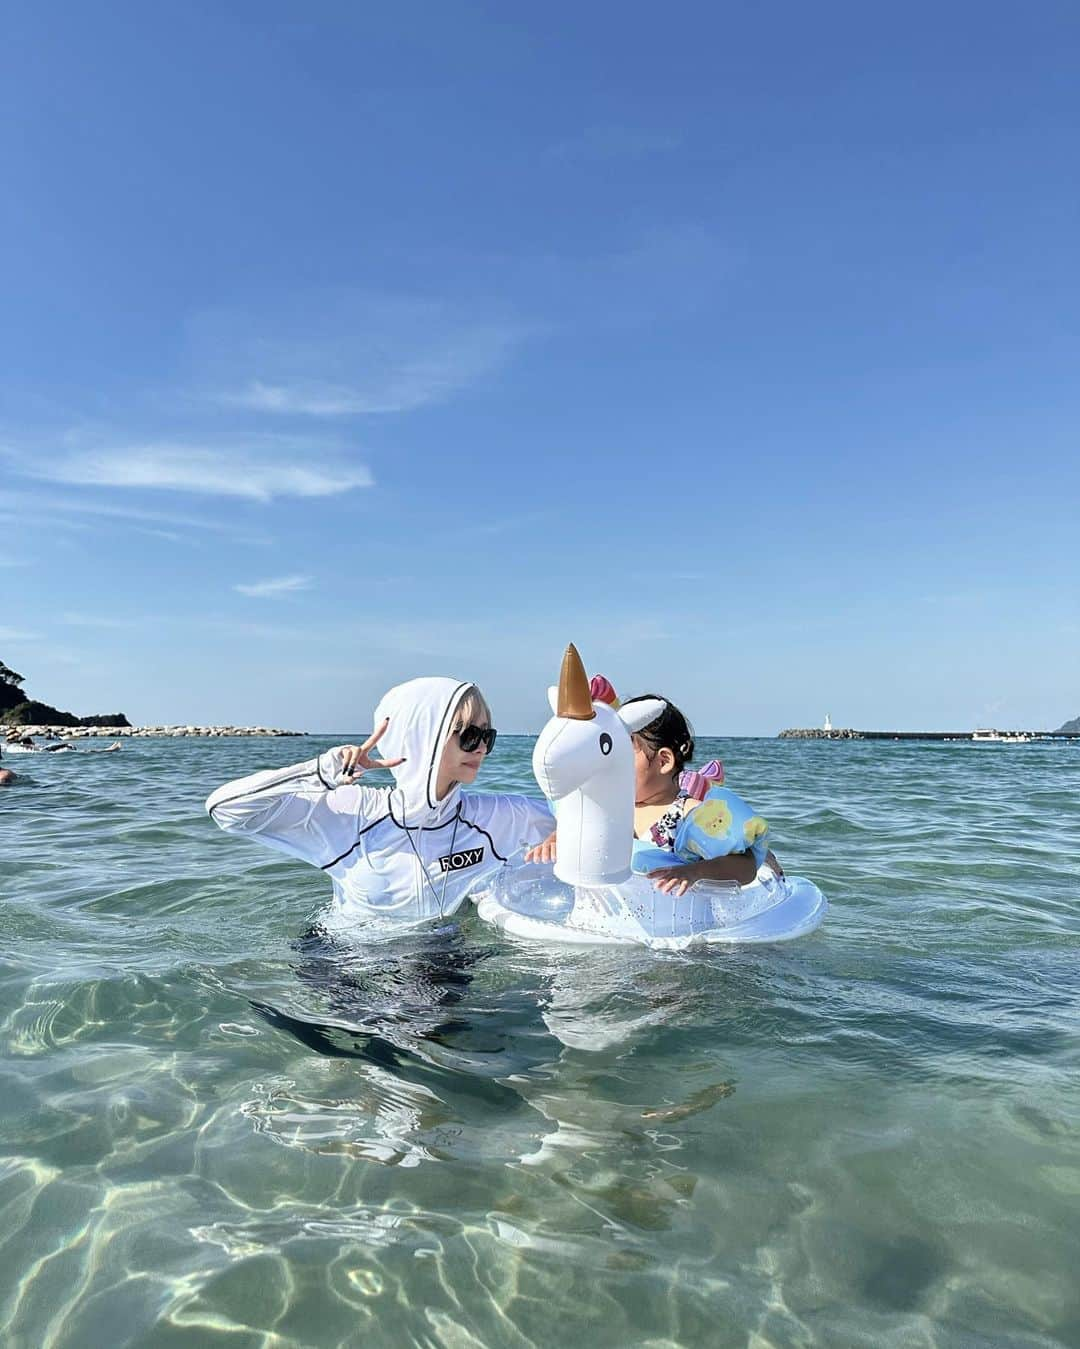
point(277, 782)
point(485, 834)
point(457, 817)
point(327, 865)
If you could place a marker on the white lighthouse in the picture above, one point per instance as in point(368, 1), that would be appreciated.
point(828, 723)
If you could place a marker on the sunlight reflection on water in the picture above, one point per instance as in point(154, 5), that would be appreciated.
point(218, 1130)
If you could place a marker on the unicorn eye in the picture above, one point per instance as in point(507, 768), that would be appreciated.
point(605, 743)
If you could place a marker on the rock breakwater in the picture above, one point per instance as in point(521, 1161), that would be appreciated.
point(144, 732)
point(811, 733)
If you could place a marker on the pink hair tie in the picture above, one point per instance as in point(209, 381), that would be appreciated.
point(601, 690)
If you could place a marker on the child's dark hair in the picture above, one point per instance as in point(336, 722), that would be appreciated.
point(670, 730)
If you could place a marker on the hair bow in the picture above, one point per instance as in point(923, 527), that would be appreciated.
point(697, 783)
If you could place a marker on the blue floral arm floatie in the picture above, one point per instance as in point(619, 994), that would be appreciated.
point(722, 824)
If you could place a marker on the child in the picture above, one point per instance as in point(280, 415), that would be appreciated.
point(412, 851)
point(714, 839)
point(679, 840)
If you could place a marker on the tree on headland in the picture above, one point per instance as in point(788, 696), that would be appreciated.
point(16, 709)
point(10, 692)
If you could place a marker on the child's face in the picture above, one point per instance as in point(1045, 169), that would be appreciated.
point(653, 770)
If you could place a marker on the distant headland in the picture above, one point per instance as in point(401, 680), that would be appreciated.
point(16, 709)
point(27, 717)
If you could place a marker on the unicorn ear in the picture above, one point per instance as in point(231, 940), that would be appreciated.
point(636, 715)
point(553, 699)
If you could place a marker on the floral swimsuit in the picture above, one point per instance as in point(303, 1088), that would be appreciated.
point(664, 830)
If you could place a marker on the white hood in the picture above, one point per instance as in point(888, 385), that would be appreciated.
point(421, 714)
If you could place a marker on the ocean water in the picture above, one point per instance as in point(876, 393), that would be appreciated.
point(215, 1130)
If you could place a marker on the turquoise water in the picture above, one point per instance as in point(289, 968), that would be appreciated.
point(217, 1131)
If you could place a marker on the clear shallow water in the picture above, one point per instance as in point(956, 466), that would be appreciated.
point(214, 1131)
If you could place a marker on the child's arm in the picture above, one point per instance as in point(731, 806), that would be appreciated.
point(676, 880)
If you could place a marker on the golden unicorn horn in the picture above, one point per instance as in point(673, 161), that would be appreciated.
point(575, 701)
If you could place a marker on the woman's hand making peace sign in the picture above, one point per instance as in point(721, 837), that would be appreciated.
point(356, 759)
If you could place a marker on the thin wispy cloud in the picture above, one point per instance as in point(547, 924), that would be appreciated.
point(24, 520)
point(251, 473)
point(302, 398)
point(615, 142)
point(47, 505)
point(279, 585)
point(86, 516)
point(169, 535)
point(77, 620)
point(342, 354)
point(18, 635)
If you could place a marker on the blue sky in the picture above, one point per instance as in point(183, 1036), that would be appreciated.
point(736, 343)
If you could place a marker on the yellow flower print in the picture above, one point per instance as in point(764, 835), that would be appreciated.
point(755, 828)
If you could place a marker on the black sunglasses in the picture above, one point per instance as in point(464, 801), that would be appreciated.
point(472, 737)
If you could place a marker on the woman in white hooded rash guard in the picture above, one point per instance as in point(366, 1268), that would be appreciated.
point(408, 852)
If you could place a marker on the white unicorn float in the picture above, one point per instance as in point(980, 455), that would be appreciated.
point(584, 764)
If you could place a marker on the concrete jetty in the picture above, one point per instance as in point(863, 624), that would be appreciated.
point(837, 733)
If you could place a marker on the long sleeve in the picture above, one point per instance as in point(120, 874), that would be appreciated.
point(298, 810)
point(509, 821)
point(535, 820)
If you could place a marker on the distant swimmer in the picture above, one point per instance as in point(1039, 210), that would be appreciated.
point(27, 745)
point(6, 777)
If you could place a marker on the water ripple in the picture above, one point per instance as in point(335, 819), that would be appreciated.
point(217, 1130)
